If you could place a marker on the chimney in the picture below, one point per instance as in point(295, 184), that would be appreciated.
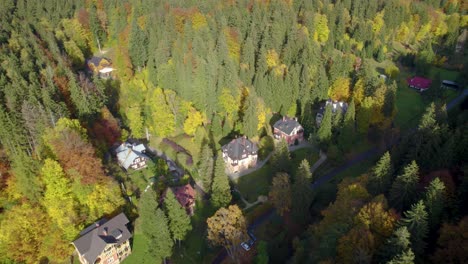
point(284, 118)
point(104, 231)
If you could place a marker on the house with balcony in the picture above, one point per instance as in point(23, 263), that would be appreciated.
point(240, 154)
point(288, 129)
point(106, 241)
point(132, 156)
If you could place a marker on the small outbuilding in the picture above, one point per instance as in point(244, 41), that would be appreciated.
point(419, 83)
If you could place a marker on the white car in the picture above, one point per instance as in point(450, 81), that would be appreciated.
point(245, 246)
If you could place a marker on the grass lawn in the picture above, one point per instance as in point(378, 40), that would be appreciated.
point(258, 182)
point(410, 106)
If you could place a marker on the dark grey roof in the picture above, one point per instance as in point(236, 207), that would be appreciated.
point(286, 125)
point(238, 147)
point(95, 238)
point(97, 60)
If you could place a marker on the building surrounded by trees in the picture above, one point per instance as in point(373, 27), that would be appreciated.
point(289, 129)
point(105, 241)
point(100, 66)
point(185, 195)
point(336, 107)
point(240, 154)
point(132, 156)
point(419, 83)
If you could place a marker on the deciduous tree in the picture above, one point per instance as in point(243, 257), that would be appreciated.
point(227, 228)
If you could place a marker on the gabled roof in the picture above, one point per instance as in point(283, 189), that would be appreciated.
point(95, 238)
point(97, 60)
point(184, 194)
point(419, 82)
point(127, 153)
point(286, 125)
point(238, 147)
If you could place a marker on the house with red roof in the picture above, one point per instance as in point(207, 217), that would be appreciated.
point(419, 83)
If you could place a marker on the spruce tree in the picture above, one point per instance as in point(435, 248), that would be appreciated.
point(206, 167)
point(220, 190)
point(302, 194)
point(162, 244)
point(179, 220)
point(281, 158)
point(434, 200)
point(138, 43)
point(396, 247)
point(415, 220)
point(381, 175)
point(320, 91)
point(324, 133)
point(250, 116)
point(347, 134)
point(403, 191)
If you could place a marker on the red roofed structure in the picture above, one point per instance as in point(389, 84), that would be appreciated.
point(419, 83)
point(186, 197)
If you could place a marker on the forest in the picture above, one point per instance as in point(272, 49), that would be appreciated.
point(190, 76)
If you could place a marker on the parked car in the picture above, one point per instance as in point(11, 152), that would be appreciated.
point(245, 246)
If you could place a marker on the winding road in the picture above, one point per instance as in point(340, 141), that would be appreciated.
point(373, 152)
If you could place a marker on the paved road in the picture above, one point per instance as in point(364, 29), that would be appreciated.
point(373, 152)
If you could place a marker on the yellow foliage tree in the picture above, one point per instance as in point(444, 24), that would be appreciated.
point(162, 122)
point(321, 28)
point(198, 21)
point(59, 201)
point(193, 121)
point(272, 58)
point(340, 91)
point(104, 200)
point(378, 22)
point(227, 228)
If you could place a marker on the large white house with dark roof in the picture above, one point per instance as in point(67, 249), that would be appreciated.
point(105, 242)
point(131, 156)
point(240, 154)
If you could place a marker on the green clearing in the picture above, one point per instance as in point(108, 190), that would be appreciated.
point(258, 182)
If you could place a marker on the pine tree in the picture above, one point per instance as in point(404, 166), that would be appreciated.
point(301, 193)
point(403, 191)
point(179, 220)
point(281, 158)
point(320, 90)
point(324, 133)
point(416, 221)
point(220, 189)
point(381, 175)
point(435, 200)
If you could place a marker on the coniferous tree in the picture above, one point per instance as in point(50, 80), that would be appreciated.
point(206, 167)
point(434, 200)
point(381, 175)
point(415, 220)
point(324, 133)
point(179, 220)
point(161, 245)
point(280, 193)
point(220, 189)
point(403, 191)
point(138, 43)
point(281, 158)
point(396, 247)
point(251, 117)
point(301, 193)
point(347, 134)
point(320, 90)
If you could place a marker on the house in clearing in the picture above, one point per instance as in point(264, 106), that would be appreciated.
point(185, 195)
point(132, 156)
point(100, 66)
point(288, 129)
point(419, 83)
point(240, 154)
point(336, 107)
point(106, 241)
